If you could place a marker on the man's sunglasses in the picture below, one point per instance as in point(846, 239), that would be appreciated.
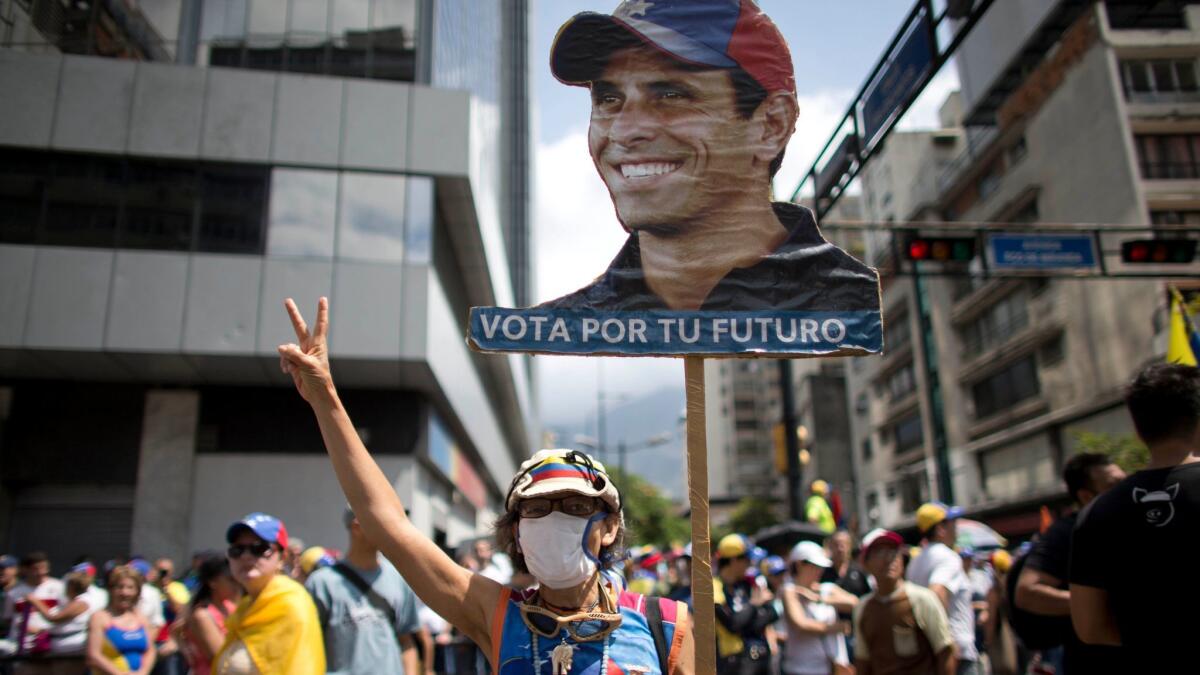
point(576, 505)
point(258, 550)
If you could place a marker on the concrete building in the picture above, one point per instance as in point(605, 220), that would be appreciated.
point(169, 173)
point(1073, 112)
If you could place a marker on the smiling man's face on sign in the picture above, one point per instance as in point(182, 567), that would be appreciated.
point(670, 142)
point(692, 105)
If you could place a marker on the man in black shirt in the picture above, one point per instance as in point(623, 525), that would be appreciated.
point(848, 575)
point(1042, 585)
point(1133, 558)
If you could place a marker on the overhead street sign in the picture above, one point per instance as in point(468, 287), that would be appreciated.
point(1042, 251)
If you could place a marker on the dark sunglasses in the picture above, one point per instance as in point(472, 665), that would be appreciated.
point(576, 505)
point(258, 550)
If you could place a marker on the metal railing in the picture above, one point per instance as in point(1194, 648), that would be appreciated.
point(976, 144)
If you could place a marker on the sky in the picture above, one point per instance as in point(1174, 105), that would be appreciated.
point(576, 233)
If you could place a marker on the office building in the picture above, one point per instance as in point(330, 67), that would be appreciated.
point(169, 173)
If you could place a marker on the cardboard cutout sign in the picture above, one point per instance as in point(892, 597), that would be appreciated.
point(693, 103)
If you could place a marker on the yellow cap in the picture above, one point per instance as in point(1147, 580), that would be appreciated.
point(731, 546)
point(932, 513)
point(1001, 560)
point(310, 558)
point(820, 487)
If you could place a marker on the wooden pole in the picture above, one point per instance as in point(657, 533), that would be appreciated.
point(697, 473)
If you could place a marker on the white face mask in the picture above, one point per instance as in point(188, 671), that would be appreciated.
point(554, 549)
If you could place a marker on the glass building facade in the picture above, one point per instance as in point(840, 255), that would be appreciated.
point(169, 171)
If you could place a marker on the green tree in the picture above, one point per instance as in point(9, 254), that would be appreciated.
point(749, 516)
point(650, 518)
point(1126, 450)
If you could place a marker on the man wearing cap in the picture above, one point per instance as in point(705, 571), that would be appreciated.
point(816, 509)
point(744, 611)
point(899, 627)
point(940, 569)
point(35, 581)
point(693, 103)
point(368, 613)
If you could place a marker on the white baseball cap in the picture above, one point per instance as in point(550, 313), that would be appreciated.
point(810, 552)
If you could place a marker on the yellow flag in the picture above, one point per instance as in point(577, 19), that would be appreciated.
point(1178, 348)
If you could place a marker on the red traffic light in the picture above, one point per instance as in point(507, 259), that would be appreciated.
point(942, 249)
point(1159, 251)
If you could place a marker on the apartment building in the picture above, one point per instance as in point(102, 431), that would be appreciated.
point(169, 173)
point(1072, 112)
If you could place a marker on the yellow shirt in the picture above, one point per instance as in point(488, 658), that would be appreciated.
point(279, 629)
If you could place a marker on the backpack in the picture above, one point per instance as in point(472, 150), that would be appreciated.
point(1036, 632)
point(652, 610)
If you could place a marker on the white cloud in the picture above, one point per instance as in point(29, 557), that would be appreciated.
point(820, 113)
point(576, 230)
point(577, 234)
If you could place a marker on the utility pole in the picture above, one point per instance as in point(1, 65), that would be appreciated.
point(621, 456)
point(933, 387)
point(792, 443)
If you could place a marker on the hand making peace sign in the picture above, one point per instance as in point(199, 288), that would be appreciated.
point(308, 362)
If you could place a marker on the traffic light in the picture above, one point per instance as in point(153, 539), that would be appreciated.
point(1159, 251)
point(779, 440)
point(941, 249)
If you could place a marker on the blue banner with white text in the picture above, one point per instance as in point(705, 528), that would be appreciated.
point(676, 333)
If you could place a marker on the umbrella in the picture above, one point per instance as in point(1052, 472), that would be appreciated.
point(978, 536)
point(779, 539)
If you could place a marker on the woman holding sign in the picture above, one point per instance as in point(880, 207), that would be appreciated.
point(562, 523)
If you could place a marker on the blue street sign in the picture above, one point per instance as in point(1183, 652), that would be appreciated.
point(1042, 251)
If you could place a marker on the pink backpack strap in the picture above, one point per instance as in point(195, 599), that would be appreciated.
point(634, 601)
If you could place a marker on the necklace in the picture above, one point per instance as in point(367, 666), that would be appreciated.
point(561, 656)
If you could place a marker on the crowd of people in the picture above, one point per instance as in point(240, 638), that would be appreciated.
point(556, 590)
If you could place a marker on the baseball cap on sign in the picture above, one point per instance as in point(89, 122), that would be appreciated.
point(714, 33)
point(267, 527)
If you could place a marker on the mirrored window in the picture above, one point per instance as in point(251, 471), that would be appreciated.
point(302, 213)
point(233, 209)
point(83, 201)
point(22, 184)
point(159, 202)
point(371, 217)
point(418, 232)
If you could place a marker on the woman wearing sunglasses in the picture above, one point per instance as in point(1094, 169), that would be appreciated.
point(274, 629)
point(562, 523)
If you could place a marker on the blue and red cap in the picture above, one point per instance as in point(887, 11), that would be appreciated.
point(714, 33)
point(552, 471)
point(266, 527)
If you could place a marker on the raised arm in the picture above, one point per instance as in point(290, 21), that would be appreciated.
point(466, 600)
point(60, 614)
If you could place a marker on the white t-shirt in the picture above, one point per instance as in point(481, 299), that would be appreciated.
point(150, 605)
point(809, 654)
point(49, 589)
point(70, 637)
point(937, 564)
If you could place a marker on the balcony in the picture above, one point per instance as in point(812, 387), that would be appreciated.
point(1156, 98)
